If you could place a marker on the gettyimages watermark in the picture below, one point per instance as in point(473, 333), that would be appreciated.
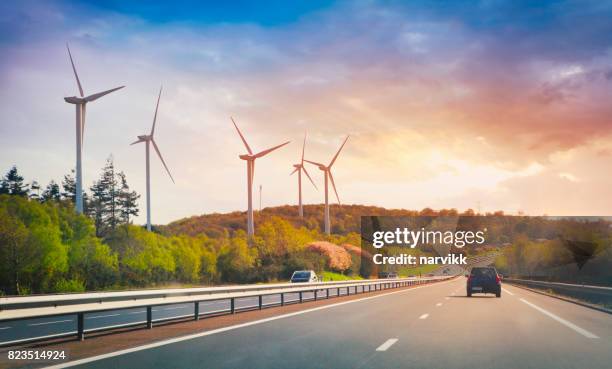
point(545, 246)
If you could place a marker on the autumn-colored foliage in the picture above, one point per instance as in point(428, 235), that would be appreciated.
point(338, 259)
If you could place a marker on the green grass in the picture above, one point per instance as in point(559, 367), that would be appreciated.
point(422, 269)
point(331, 276)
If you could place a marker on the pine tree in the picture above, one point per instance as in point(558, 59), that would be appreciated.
point(97, 208)
point(13, 183)
point(128, 200)
point(51, 193)
point(104, 208)
point(69, 187)
point(109, 178)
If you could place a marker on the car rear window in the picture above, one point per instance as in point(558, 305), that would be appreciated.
point(301, 275)
point(484, 272)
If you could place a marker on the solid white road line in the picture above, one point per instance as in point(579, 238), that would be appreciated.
point(508, 292)
point(3, 328)
point(230, 328)
point(388, 343)
point(424, 316)
point(439, 304)
point(54, 322)
point(576, 328)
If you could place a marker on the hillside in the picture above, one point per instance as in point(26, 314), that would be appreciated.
point(344, 219)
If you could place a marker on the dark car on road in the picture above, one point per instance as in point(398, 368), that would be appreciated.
point(483, 280)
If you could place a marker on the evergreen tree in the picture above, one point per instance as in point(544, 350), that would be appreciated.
point(51, 193)
point(97, 208)
point(109, 178)
point(13, 183)
point(104, 207)
point(128, 200)
point(69, 186)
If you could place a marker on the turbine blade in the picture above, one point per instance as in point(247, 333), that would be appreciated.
point(266, 152)
point(308, 175)
point(74, 70)
point(242, 137)
point(95, 97)
point(156, 107)
point(303, 147)
point(135, 142)
point(338, 153)
point(313, 162)
point(162, 159)
point(295, 170)
point(334, 186)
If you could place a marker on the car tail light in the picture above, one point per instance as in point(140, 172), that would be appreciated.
point(497, 279)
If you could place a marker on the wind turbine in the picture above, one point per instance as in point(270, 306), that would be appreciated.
point(250, 159)
point(149, 139)
point(81, 103)
point(328, 175)
point(299, 167)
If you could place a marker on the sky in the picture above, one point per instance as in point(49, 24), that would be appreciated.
point(488, 105)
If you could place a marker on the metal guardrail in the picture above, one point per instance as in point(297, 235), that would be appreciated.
point(21, 308)
point(600, 295)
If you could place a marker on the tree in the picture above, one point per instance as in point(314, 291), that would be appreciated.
point(109, 179)
point(97, 208)
point(35, 256)
point(13, 183)
point(69, 187)
point(51, 193)
point(104, 207)
point(127, 201)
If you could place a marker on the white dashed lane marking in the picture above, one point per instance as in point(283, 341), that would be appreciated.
point(388, 343)
point(424, 316)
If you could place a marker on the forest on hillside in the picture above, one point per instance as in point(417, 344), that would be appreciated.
point(45, 246)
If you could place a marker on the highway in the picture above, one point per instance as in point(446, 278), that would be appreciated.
point(431, 326)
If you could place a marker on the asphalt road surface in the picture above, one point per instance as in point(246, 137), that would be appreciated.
point(433, 326)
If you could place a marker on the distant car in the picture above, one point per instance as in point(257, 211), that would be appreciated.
point(387, 275)
point(304, 276)
point(483, 280)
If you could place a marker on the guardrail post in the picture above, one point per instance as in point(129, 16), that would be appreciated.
point(260, 301)
point(315, 295)
point(338, 292)
point(282, 297)
point(301, 297)
point(149, 317)
point(232, 306)
point(327, 293)
point(196, 310)
point(80, 327)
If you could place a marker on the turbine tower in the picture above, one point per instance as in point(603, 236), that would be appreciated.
point(299, 167)
point(250, 159)
point(329, 177)
point(81, 103)
point(149, 139)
